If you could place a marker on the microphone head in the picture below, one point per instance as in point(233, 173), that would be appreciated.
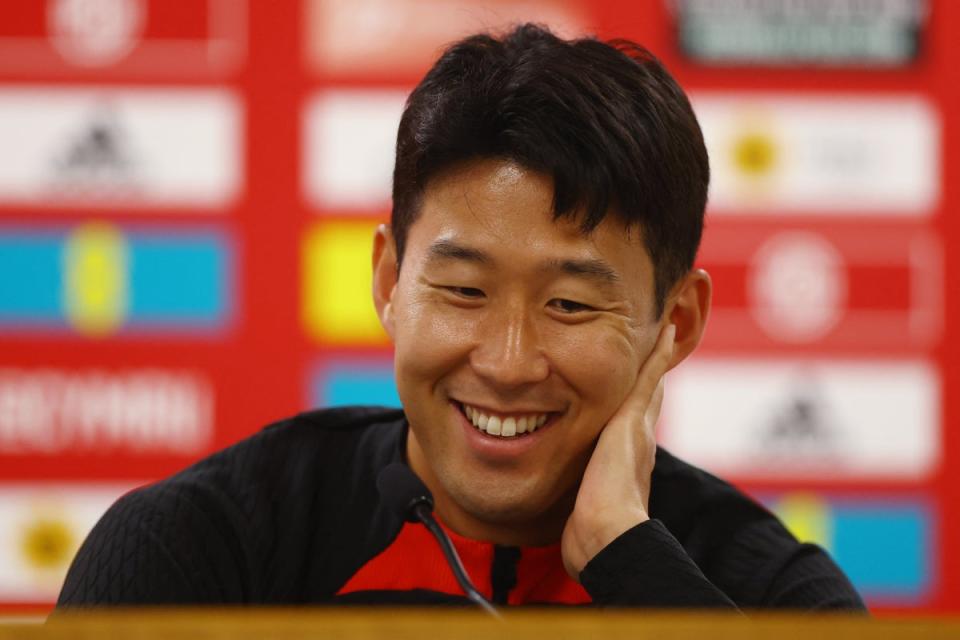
point(403, 491)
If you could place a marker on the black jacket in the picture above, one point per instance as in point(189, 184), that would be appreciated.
point(290, 514)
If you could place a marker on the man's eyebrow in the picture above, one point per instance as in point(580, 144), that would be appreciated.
point(450, 250)
point(590, 268)
point(593, 269)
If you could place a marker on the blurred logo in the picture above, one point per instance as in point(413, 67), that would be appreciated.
point(41, 527)
point(97, 161)
point(798, 286)
point(755, 153)
point(885, 545)
point(139, 38)
point(337, 306)
point(803, 425)
point(95, 33)
point(857, 33)
point(98, 280)
point(48, 543)
point(777, 154)
point(833, 286)
point(120, 147)
point(806, 419)
point(100, 412)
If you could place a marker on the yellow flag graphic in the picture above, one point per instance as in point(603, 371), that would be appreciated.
point(807, 516)
point(337, 304)
point(95, 279)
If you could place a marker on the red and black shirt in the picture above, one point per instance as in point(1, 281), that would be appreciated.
point(292, 515)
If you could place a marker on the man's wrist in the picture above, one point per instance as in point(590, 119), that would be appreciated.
point(609, 530)
point(591, 538)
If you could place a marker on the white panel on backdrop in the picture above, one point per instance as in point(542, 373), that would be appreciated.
point(805, 419)
point(773, 154)
point(41, 528)
point(349, 141)
point(130, 147)
point(55, 411)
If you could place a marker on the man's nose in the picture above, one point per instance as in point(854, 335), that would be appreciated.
point(508, 352)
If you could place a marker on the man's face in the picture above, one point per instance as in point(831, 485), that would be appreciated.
point(503, 316)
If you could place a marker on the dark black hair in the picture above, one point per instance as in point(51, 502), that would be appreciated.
point(605, 120)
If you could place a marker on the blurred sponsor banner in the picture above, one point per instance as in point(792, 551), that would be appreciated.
point(54, 411)
point(818, 420)
point(778, 154)
point(836, 286)
point(98, 279)
point(135, 147)
point(141, 37)
point(41, 528)
point(866, 33)
point(771, 155)
point(349, 142)
point(887, 546)
point(341, 381)
point(377, 37)
point(337, 308)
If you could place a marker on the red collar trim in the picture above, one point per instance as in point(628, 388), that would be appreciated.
point(414, 561)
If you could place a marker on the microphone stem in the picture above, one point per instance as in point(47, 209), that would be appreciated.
point(453, 559)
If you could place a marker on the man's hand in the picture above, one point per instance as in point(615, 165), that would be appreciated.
point(615, 490)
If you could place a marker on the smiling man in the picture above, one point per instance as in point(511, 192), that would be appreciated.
point(537, 282)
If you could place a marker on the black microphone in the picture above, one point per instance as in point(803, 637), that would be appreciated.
point(406, 494)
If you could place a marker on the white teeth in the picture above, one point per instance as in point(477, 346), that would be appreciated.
point(535, 423)
point(522, 425)
point(504, 427)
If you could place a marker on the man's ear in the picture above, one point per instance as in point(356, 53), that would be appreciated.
point(687, 308)
point(384, 276)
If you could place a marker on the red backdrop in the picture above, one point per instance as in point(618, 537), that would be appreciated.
point(253, 354)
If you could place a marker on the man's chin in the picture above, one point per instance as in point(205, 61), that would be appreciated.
point(515, 518)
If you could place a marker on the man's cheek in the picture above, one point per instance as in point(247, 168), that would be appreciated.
point(607, 360)
point(431, 346)
point(430, 320)
point(623, 360)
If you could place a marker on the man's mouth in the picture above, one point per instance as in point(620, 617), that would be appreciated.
point(504, 425)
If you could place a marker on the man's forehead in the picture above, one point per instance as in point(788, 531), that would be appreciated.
point(485, 178)
point(564, 241)
point(491, 203)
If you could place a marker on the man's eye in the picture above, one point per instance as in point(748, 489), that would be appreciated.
point(466, 292)
point(569, 306)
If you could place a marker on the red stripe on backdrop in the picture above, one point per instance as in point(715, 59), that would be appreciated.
point(944, 26)
point(870, 288)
